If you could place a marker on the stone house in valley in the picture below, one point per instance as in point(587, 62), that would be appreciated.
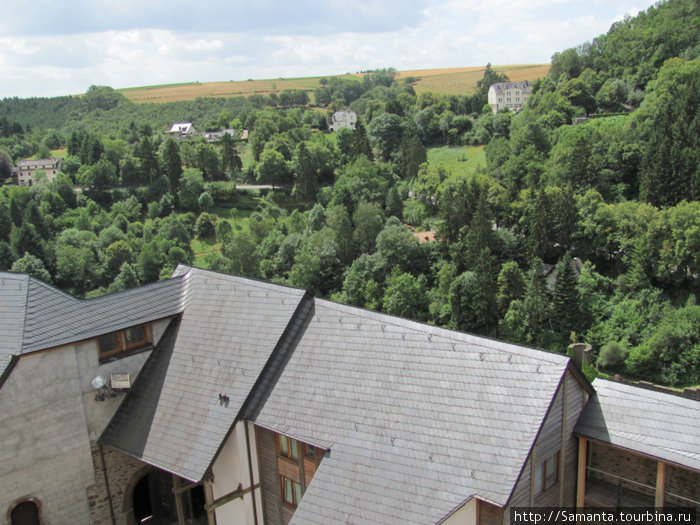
point(234, 401)
point(26, 172)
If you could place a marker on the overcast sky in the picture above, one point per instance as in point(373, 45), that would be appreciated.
point(51, 47)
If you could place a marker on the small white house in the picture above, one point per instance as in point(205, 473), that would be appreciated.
point(342, 119)
point(182, 130)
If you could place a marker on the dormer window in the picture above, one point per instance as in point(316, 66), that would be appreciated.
point(112, 345)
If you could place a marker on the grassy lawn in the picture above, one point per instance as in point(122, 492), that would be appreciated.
point(247, 157)
point(457, 160)
point(61, 153)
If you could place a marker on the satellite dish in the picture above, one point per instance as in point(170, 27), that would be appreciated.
point(98, 382)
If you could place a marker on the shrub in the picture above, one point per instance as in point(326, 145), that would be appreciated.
point(205, 225)
point(612, 356)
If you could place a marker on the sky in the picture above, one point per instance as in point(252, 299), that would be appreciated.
point(51, 47)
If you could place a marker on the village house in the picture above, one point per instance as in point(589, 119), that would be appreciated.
point(26, 172)
point(182, 131)
point(342, 119)
point(215, 136)
point(511, 95)
point(225, 400)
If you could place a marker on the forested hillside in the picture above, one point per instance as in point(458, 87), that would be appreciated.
point(546, 232)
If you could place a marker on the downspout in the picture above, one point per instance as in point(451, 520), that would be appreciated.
point(109, 492)
point(250, 472)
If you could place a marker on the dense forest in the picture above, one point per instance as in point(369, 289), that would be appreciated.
point(564, 233)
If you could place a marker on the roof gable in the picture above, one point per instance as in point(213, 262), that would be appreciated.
point(416, 417)
point(227, 332)
point(43, 317)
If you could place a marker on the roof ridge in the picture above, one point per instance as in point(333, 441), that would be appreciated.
point(24, 318)
point(253, 281)
point(447, 333)
point(662, 396)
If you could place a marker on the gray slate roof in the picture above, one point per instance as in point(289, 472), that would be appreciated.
point(13, 301)
point(54, 162)
point(502, 87)
point(37, 316)
point(417, 418)
point(227, 332)
point(661, 425)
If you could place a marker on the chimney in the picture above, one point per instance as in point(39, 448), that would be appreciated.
point(580, 353)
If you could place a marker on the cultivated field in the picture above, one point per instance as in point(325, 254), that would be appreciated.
point(462, 80)
point(445, 81)
point(232, 88)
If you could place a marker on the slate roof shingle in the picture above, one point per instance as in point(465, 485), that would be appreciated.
point(417, 418)
point(501, 87)
point(661, 425)
point(38, 316)
point(13, 302)
point(227, 332)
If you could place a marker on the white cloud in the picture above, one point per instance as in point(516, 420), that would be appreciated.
point(203, 45)
point(146, 42)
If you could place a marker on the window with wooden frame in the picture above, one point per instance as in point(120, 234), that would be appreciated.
point(291, 491)
point(287, 447)
point(547, 473)
point(310, 451)
point(111, 345)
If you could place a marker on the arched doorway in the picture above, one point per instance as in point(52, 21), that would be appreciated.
point(143, 509)
point(25, 513)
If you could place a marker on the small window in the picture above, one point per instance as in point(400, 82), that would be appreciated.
point(547, 473)
point(115, 343)
point(109, 343)
point(288, 447)
point(135, 336)
point(310, 451)
point(291, 491)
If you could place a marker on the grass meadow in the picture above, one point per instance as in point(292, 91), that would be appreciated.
point(457, 160)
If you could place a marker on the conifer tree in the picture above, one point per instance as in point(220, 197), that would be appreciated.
point(566, 314)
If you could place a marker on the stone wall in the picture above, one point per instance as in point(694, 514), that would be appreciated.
point(623, 465)
point(123, 472)
point(685, 483)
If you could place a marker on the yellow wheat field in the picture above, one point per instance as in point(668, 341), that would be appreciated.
point(453, 81)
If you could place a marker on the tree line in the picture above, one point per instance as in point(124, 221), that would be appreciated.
point(586, 232)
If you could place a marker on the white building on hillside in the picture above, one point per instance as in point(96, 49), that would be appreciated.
point(512, 95)
point(343, 119)
point(182, 130)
